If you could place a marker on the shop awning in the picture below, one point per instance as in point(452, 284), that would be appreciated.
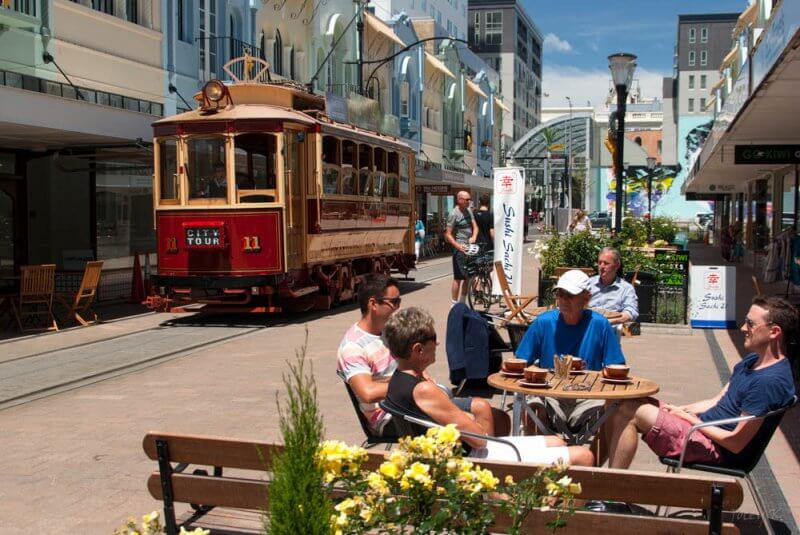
point(499, 103)
point(472, 86)
point(434, 62)
point(710, 103)
point(382, 29)
point(719, 84)
point(747, 17)
point(729, 58)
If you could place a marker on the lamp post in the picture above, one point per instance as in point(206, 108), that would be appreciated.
point(621, 66)
point(651, 165)
point(569, 158)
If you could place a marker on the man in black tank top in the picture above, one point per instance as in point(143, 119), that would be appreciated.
point(485, 220)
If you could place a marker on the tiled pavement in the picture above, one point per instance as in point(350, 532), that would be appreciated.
point(73, 462)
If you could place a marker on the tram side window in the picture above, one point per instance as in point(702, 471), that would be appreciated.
point(330, 164)
point(349, 153)
point(379, 182)
point(364, 169)
point(392, 185)
point(168, 169)
point(254, 163)
point(205, 168)
point(404, 177)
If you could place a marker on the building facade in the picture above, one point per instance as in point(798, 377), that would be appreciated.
point(503, 34)
point(703, 41)
point(451, 15)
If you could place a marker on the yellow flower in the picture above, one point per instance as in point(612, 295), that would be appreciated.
point(366, 514)
point(419, 472)
point(487, 479)
point(152, 517)
point(377, 483)
point(448, 434)
point(565, 481)
point(195, 531)
point(509, 480)
point(575, 488)
point(390, 469)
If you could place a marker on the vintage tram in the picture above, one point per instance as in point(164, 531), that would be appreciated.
point(263, 203)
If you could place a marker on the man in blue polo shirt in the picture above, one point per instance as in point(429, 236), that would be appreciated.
point(760, 383)
point(571, 330)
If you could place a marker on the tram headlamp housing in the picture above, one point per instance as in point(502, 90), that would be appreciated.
point(214, 91)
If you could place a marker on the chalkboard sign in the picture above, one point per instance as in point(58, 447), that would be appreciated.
point(673, 268)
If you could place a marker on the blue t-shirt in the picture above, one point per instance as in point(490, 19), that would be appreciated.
point(753, 392)
point(593, 339)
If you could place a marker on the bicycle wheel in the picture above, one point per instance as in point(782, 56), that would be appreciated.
point(479, 292)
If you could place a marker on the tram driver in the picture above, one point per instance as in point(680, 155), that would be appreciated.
point(217, 187)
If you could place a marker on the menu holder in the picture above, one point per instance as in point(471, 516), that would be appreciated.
point(562, 366)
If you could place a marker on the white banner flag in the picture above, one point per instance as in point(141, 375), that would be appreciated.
point(509, 224)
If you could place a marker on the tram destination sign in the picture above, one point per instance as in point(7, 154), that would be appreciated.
point(204, 235)
point(766, 154)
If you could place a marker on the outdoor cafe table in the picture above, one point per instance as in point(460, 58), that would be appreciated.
point(612, 393)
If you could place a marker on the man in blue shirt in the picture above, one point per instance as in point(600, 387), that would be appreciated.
point(610, 291)
point(571, 330)
point(760, 383)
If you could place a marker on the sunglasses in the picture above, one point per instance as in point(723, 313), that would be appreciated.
point(394, 301)
point(752, 325)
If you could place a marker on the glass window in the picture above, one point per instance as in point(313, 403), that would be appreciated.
point(703, 58)
point(494, 28)
point(704, 34)
point(691, 58)
point(691, 81)
point(349, 154)
point(691, 104)
point(330, 164)
point(789, 185)
point(703, 81)
point(392, 184)
point(254, 168)
point(364, 169)
point(205, 168)
point(702, 104)
point(168, 168)
point(692, 35)
point(404, 177)
point(379, 180)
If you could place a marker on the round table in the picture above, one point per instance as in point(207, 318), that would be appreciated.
point(638, 387)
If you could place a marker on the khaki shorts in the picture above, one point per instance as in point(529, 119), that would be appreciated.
point(575, 414)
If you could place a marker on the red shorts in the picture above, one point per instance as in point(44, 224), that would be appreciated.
point(668, 434)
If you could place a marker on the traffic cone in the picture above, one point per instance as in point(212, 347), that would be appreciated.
point(137, 285)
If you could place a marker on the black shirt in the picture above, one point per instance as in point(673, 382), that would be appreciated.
point(485, 221)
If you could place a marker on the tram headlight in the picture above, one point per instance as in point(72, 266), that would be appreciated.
point(214, 91)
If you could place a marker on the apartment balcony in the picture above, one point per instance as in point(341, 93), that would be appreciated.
point(21, 13)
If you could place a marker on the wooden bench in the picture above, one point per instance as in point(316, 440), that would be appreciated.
point(174, 482)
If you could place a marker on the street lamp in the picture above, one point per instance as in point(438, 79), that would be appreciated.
point(569, 158)
point(621, 66)
point(651, 165)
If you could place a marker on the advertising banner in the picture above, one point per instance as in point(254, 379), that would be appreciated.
point(713, 297)
point(509, 224)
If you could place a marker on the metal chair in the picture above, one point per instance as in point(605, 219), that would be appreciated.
point(81, 302)
point(741, 464)
point(35, 296)
point(388, 435)
point(408, 424)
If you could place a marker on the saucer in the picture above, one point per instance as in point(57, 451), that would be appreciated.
point(627, 381)
point(577, 372)
point(534, 385)
point(511, 374)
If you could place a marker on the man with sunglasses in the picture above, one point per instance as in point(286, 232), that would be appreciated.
point(364, 362)
point(760, 383)
point(574, 330)
point(462, 230)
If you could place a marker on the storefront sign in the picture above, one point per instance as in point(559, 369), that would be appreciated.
point(785, 23)
point(766, 154)
point(509, 208)
point(336, 107)
point(713, 297)
point(673, 268)
point(435, 189)
point(364, 112)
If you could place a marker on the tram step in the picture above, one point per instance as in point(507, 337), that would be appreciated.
point(294, 293)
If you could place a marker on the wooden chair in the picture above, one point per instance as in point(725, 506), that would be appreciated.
point(757, 286)
point(517, 304)
point(35, 297)
point(80, 303)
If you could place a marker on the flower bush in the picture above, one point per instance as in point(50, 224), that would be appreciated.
point(427, 485)
point(151, 525)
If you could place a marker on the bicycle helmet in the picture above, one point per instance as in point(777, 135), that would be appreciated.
point(472, 249)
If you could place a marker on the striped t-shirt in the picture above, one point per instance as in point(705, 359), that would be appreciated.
point(362, 352)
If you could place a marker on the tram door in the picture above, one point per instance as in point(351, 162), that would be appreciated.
point(293, 147)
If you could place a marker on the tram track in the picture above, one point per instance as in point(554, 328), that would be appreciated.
point(27, 378)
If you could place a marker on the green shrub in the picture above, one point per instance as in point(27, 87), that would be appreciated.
point(297, 501)
point(664, 228)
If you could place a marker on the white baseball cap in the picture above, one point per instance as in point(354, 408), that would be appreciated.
point(573, 281)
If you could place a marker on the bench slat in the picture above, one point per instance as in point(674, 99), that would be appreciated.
point(252, 494)
point(631, 486)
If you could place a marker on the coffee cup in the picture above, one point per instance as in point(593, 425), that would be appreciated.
point(514, 365)
point(534, 374)
point(577, 363)
point(616, 371)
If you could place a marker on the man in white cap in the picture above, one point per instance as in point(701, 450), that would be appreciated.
point(571, 330)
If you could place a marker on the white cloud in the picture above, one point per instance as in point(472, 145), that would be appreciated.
point(553, 42)
point(593, 86)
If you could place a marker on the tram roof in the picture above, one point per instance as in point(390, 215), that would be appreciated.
point(239, 112)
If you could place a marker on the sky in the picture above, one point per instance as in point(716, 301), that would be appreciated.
point(580, 34)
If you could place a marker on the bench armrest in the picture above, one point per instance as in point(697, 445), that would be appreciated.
point(428, 423)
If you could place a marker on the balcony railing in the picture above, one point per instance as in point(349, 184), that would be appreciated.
point(25, 7)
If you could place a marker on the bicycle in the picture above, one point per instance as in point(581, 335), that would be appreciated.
point(479, 282)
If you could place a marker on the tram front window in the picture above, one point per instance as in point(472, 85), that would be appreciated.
point(205, 168)
point(168, 169)
point(254, 157)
